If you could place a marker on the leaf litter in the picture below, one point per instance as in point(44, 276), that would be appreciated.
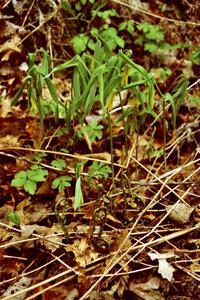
point(141, 239)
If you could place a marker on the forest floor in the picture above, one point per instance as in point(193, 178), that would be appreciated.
point(109, 211)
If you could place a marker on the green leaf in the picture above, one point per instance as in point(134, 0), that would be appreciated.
point(151, 47)
point(78, 198)
point(99, 170)
point(30, 187)
point(67, 7)
point(151, 31)
point(45, 64)
point(122, 26)
point(104, 14)
point(93, 131)
point(80, 42)
point(18, 182)
point(130, 26)
point(13, 217)
point(61, 182)
point(194, 56)
point(19, 179)
point(194, 101)
point(37, 174)
point(40, 156)
point(78, 168)
point(112, 33)
point(20, 91)
point(21, 174)
point(170, 98)
point(53, 91)
point(59, 163)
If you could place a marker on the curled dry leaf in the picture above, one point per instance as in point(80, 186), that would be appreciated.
point(164, 268)
point(22, 284)
point(82, 252)
point(147, 290)
point(180, 213)
point(10, 45)
point(52, 243)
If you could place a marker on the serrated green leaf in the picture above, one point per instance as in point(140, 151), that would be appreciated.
point(21, 175)
point(93, 131)
point(18, 182)
point(59, 163)
point(37, 175)
point(99, 170)
point(80, 43)
point(151, 31)
point(30, 187)
point(151, 47)
point(61, 182)
point(130, 26)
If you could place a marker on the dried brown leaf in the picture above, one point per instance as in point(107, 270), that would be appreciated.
point(180, 213)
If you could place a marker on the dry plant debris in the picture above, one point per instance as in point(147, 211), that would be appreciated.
point(99, 211)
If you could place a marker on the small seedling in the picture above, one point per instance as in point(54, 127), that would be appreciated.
point(59, 163)
point(104, 14)
point(29, 179)
point(61, 182)
point(13, 217)
point(127, 25)
point(151, 37)
point(35, 82)
point(40, 156)
point(99, 170)
point(93, 131)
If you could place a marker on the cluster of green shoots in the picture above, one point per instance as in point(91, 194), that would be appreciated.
point(100, 73)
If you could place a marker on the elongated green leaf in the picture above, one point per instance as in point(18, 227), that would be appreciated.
point(20, 91)
point(101, 86)
point(134, 84)
point(76, 86)
point(151, 94)
point(89, 100)
point(114, 84)
point(112, 68)
point(137, 67)
point(69, 64)
point(84, 100)
point(170, 98)
point(99, 53)
point(53, 91)
point(45, 63)
point(110, 100)
point(83, 76)
point(78, 198)
point(179, 92)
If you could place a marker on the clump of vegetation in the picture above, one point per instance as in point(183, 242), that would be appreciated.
point(103, 165)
